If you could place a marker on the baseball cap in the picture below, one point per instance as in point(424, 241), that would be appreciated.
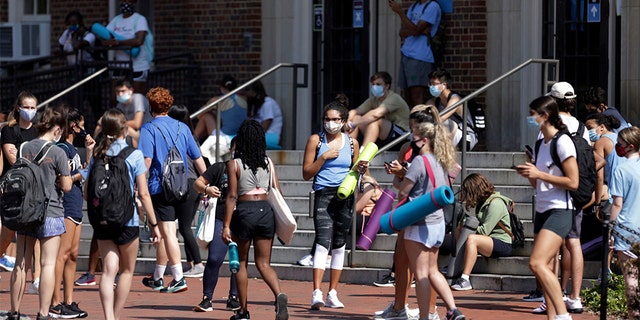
point(562, 90)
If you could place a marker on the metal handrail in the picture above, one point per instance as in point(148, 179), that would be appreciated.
point(79, 83)
point(210, 106)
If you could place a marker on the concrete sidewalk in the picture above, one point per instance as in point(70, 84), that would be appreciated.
point(360, 301)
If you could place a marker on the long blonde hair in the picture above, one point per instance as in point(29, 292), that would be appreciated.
point(439, 137)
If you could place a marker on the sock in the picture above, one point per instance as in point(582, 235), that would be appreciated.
point(159, 271)
point(565, 316)
point(176, 271)
point(465, 276)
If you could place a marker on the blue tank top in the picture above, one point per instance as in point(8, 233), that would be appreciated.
point(333, 171)
point(612, 158)
point(232, 118)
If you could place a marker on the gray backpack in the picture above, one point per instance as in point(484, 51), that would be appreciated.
point(175, 184)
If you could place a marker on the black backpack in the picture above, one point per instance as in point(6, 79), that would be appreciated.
point(517, 228)
point(24, 200)
point(175, 183)
point(437, 43)
point(586, 165)
point(110, 202)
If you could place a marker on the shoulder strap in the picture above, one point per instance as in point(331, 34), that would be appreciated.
point(554, 150)
point(427, 166)
point(164, 137)
point(125, 152)
point(42, 153)
point(581, 129)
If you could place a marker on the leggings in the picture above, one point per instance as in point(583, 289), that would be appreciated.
point(217, 252)
point(332, 219)
point(185, 213)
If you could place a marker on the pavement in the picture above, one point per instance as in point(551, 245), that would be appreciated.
point(361, 302)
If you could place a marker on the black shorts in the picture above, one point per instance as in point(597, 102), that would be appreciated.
point(253, 219)
point(395, 133)
point(500, 249)
point(164, 210)
point(576, 227)
point(119, 236)
point(559, 221)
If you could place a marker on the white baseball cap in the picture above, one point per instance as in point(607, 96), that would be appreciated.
point(562, 90)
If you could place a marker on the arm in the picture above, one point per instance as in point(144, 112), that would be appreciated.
point(266, 124)
point(201, 185)
point(11, 152)
point(493, 214)
point(200, 165)
point(147, 205)
point(136, 122)
point(454, 98)
point(598, 151)
point(569, 181)
point(232, 196)
point(65, 183)
point(310, 165)
point(404, 188)
point(407, 28)
point(370, 116)
point(616, 207)
point(136, 41)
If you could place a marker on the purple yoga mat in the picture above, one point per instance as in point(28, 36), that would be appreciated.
point(382, 206)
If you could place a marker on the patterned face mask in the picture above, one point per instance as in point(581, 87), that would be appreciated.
point(127, 8)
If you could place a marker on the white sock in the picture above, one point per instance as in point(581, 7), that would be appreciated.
point(465, 276)
point(159, 271)
point(565, 316)
point(176, 271)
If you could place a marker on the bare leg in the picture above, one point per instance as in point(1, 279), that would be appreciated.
point(416, 96)
point(6, 237)
point(66, 244)
point(168, 231)
point(48, 256)
point(476, 243)
point(403, 274)
point(110, 264)
point(577, 266)
point(262, 257)
point(128, 254)
point(70, 267)
point(241, 275)
point(543, 253)
point(24, 257)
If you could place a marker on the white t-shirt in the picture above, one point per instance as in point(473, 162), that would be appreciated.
point(66, 41)
point(549, 196)
point(127, 29)
point(572, 125)
point(270, 110)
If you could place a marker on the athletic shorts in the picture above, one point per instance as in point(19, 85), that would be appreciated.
point(413, 73)
point(140, 76)
point(52, 227)
point(558, 221)
point(119, 236)
point(576, 227)
point(430, 235)
point(396, 132)
point(500, 249)
point(164, 210)
point(253, 219)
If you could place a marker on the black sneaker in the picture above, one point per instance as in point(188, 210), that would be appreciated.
point(176, 286)
point(40, 317)
point(534, 296)
point(61, 311)
point(233, 303)
point(156, 285)
point(75, 308)
point(13, 316)
point(282, 312)
point(241, 316)
point(454, 314)
point(204, 305)
point(388, 280)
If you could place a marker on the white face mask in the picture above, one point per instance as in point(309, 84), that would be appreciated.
point(332, 127)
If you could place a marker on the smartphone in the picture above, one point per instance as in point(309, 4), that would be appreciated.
point(529, 151)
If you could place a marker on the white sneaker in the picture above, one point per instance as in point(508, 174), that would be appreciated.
point(34, 287)
point(432, 316)
point(573, 305)
point(390, 314)
point(306, 261)
point(316, 300)
point(332, 300)
point(414, 314)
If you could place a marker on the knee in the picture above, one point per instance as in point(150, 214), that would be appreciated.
point(472, 241)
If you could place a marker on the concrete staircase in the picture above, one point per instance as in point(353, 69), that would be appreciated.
point(364, 267)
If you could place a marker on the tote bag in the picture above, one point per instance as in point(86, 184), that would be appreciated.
point(206, 221)
point(285, 222)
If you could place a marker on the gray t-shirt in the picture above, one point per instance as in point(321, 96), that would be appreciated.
point(418, 174)
point(53, 164)
point(139, 103)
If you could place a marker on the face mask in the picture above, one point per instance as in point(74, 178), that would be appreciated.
point(593, 136)
point(81, 134)
point(123, 98)
point(377, 90)
point(127, 8)
point(74, 27)
point(27, 114)
point(531, 121)
point(254, 101)
point(620, 150)
point(434, 91)
point(414, 146)
point(332, 127)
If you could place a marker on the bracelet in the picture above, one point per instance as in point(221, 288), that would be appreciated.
point(153, 225)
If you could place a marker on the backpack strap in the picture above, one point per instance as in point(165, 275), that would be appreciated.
point(44, 150)
point(164, 137)
point(500, 224)
point(125, 152)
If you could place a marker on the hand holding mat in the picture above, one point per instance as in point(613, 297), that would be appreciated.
point(417, 209)
point(347, 186)
point(370, 232)
point(102, 32)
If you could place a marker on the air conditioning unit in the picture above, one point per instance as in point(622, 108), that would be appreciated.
point(26, 40)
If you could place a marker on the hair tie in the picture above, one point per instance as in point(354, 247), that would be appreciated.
point(110, 137)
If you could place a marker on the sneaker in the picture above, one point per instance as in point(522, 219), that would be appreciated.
point(195, 272)
point(461, 285)
point(432, 316)
point(204, 305)
point(305, 261)
point(454, 314)
point(332, 300)
point(115, 280)
point(76, 308)
point(176, 286)
point(233, 303)
point(282, 309)
point(13, 316)
point(573, 305)
point(7, 263)
point(541, 309)
point(156, 285)
point(34, 287)
point(413, 283)
point(316, 300)
point(391, 314)
point(86, 279)
point(45, 317)
point(241, 316)
point(61, 311)
point(534, 296)
point(388, 280)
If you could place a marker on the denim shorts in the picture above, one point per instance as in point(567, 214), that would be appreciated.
point(52, 227)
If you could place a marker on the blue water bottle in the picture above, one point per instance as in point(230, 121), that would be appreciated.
point(234, 263)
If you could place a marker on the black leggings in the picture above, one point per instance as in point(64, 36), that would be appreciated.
point(185, 213)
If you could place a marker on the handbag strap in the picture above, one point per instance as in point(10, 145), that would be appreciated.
point(427, 167)
point(271, 177)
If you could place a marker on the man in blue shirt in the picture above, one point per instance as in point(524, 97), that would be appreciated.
point(596, 101)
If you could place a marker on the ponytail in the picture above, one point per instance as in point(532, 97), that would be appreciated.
point(440, 139)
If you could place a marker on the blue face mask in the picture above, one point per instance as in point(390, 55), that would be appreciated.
point(123, 98)
point(593, 136)
point(434, 91)
point(377, 90)
point(531, 121)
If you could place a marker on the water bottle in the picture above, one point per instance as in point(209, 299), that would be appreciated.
point(234, 263)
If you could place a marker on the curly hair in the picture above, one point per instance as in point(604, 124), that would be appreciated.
point(340, 104)
point(439, 138)
point(251, 145)
point(114, 124)
point(609, 122)
point(476, 189)
point(160, 100)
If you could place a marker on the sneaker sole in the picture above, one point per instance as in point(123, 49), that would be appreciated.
point(317, 305)
point(85, 284)
point(533, 299)
point(182, 289)
point(196, 275)
point(577, 310)
point(384, 285)
point(328, 305)
point(199, 309)
point(282, 302)
point(233, 308)
point(462, 289)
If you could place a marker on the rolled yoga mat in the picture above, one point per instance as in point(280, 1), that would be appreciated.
point(413, 211)
point(102, 32)
point(348, 185)
point(456, 259)
point(373, 225)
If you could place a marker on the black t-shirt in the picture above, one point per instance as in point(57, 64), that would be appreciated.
point(216, 174)
point(16, 136)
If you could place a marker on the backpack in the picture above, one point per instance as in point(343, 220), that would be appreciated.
point(175, 184)
point(24, 201)
point(110, 201)
point(517, 228)
point(437, 43)
point(586, 165)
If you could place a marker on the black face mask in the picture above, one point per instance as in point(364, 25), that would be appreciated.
point(415, 149)
point(81, 134)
